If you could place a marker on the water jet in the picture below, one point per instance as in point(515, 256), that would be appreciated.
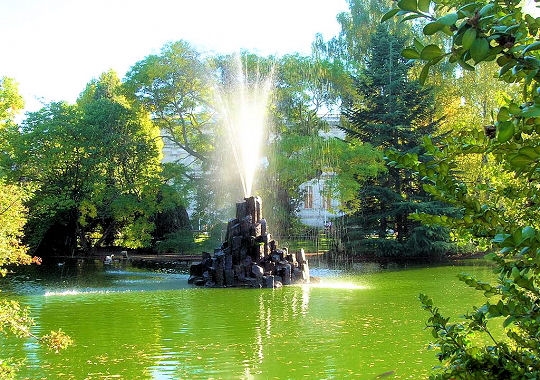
point(248, 256)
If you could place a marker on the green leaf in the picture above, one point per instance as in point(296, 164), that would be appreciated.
point(486, 9)
point(479, 49)
point(499, 238)
point(504, 114)
point(530, 152)
point(432, 28)
point(418, 45)
point(508, 321)
point(528, 232)
point(533, 46)
point(468, 38)
point(514, 108)
point(430, 52)
point(449, 19)
point(505, 131)
point(448, 31)
point(520, 160)
point(388, 15)
point(507, 67)
point(410, 53)
point(411, 16)
point(424, 74)
point(465, 65)
point(423, 5)
point(408, 5)
point(531, 111)
point(468, 9)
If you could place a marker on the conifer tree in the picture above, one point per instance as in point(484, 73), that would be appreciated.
point(392, 112)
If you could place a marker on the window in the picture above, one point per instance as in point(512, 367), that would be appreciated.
point(308, 200)
point(327, 201)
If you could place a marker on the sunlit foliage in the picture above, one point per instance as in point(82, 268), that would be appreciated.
point(481, 32)
point(14, 318)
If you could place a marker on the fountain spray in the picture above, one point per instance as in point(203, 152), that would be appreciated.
point(248, 256)
point(243, 105)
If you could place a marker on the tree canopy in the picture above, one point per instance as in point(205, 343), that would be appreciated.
point(95, 167)
point(15, 319)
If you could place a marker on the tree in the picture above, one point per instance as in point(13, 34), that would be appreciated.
point(357, 27)
point(12, 196)
point(306, 90)
point(478, 33)
point(46, 155)
point(10, 100)
point(125, 197)
point(392, 113)
point(95, 166)
point(175, 87)
point(14, 318)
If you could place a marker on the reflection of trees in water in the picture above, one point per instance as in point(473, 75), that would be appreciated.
point(279, 312)
point(237, 333)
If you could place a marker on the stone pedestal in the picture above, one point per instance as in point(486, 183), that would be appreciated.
point(249, 256)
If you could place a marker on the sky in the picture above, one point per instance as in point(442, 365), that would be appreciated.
point(53, 48)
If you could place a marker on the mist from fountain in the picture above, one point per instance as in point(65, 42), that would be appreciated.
point(243, 104)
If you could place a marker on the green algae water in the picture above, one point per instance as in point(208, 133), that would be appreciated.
point(130, 324)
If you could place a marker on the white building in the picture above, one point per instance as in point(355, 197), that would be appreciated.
point(317, 208)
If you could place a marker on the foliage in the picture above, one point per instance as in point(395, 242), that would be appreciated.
point(12, 220)
point(12, 196)
point(14, 319)
point(392, 112)
point(479, 32)
point(357, 28)
point(306, 147)
point(10, 100)
point(95, 168)
point(175, 87)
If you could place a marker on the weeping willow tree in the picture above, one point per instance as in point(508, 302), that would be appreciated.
point(303, 146)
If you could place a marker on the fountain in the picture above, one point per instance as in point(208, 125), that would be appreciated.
point(248, 256)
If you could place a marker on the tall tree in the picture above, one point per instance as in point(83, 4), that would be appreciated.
point(96, 169)
point(357, 27)
point(126, 196)
point(12, 210)
point(175, 87)
point(393, 113)
point(14, 318)
point(307, 90)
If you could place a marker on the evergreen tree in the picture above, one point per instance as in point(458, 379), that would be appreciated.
point(392, 113)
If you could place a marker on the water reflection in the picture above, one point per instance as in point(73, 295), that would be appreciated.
point(153, 326)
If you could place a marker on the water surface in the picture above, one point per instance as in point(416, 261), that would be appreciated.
point(130, 324)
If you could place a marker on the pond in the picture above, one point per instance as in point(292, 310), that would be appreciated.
point(133, 324)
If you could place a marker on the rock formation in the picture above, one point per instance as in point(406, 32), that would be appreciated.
point(249, 256)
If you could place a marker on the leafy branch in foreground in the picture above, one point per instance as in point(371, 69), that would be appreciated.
point(473, 33)
point(14, 318)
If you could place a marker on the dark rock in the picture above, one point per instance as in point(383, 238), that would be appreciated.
point(249, 256)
